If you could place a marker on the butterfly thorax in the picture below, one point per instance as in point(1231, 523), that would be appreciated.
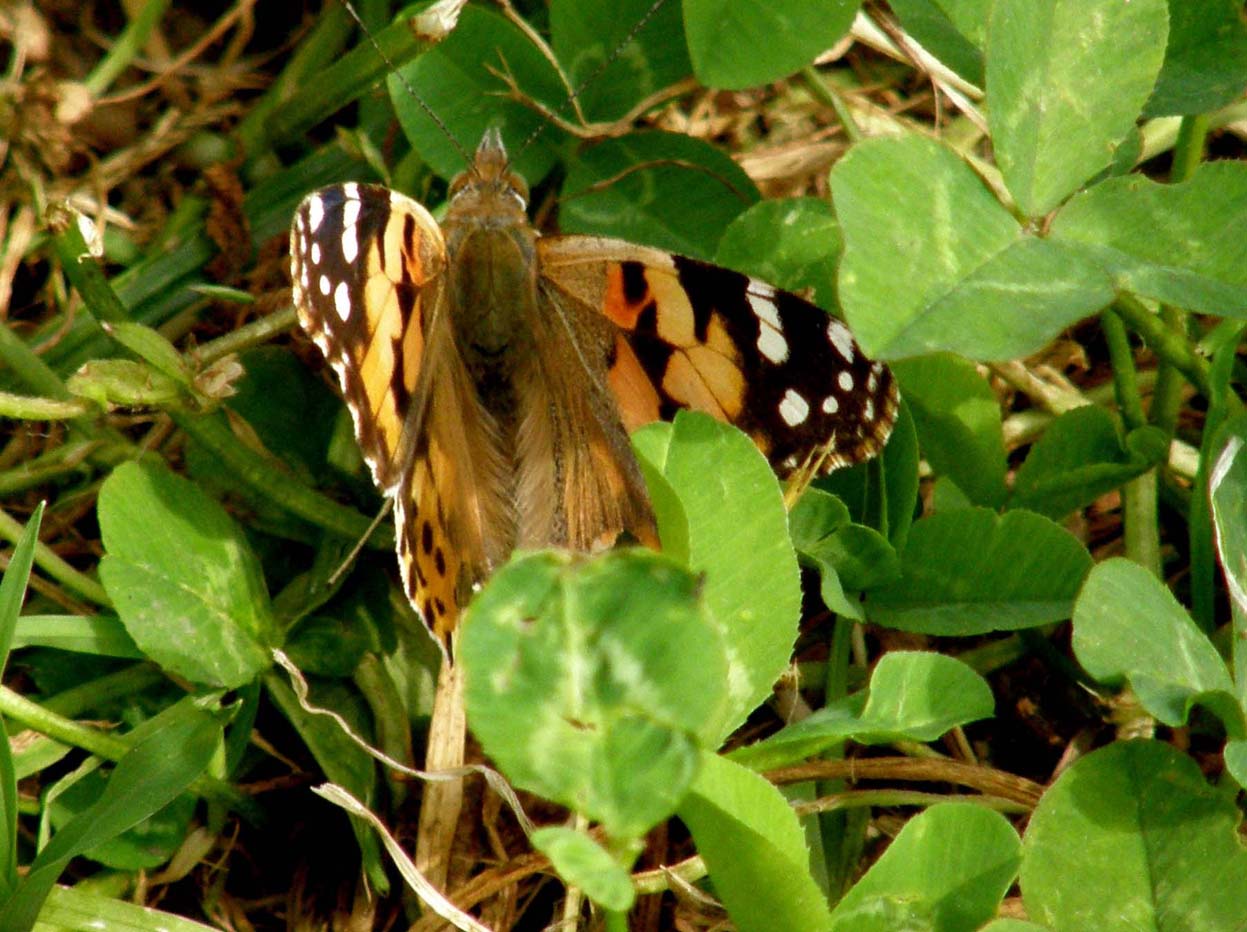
point(492, 277)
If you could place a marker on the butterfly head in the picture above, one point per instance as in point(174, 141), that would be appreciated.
point(489, 182)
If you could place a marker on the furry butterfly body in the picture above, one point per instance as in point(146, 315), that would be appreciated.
point(493, 374)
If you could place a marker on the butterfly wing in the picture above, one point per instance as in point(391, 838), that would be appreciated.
point(695, 335)
point(367, 266)
point(579, 484)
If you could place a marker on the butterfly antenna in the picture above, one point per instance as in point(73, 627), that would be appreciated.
point(402, 79)
point(597, 72)
point(349, 559)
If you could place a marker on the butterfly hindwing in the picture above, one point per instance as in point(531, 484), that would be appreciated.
point(592, 489)
point(698, 336)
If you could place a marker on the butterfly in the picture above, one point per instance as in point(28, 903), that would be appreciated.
point(493, 374)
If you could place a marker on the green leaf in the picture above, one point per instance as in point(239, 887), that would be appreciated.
point(1127, 625)
point(921, 696)
point(101, 635)
point(144, 845)
point(887, 503)
point(1168, 241)
point(152, 347)
point(13, 582)
point(1080, 457)
point(124, 382)
point(739, 43)
point(1227, 490)
point(949, 868)
point(1151, 844)
point(951, 30)
point(277, 383)
point(1206, 60)
point(587, 680)
point(154, 772)
point(76, 909)
point(823, 533)
point(1235, 755)
point(958, 421)
point(1066, 80)
point(932, 261)
point(738, 537)
point(754, 848)
point(913, 696)
point(582, 862)
point(182, 577)
point(666, 190)
point(971, 571)
point(454, 79)
point(585, 35)
point(793, 243)
point(12, 594)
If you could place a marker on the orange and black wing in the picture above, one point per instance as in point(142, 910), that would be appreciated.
point(367, 269)
point(699, 336)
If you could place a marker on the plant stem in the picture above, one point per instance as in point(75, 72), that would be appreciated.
point(1124, 376)
point(1168, 344)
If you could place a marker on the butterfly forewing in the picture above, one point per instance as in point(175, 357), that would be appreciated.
point(366, 265)
point(367, 269)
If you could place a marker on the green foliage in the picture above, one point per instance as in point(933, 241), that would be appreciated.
point(610, 684)
point(680, 200)
point(588, 682)
point(751, 842)
point(725, 52)
point(1149, 841)
point(970, 571)
point(947, 869)
point(183, 578)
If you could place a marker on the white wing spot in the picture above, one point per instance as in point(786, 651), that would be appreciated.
point(771, 342)
point(342, 300)
point(845, 381)
point(793, 408)
point(841, 339)
point(325, 287)
point(315, 212)
point(314, 253)
point(764, 307)
point(351, 191)
point(872, 382)
point(772, 345)
point(761, 289)
point(831, 404)
point(868, 409)
point(350, 213)
point(350, 242)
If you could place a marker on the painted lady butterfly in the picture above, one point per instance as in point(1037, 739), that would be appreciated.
point(493, 374)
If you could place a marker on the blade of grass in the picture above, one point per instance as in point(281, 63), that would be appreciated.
point(12, 593)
